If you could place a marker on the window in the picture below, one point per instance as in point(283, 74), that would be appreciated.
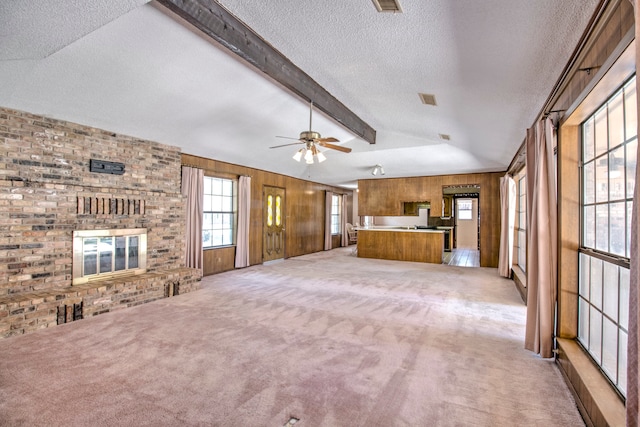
point(465, 209)
point(609, 146)
point(335, 214)
point(219, 206)
point(521, 221)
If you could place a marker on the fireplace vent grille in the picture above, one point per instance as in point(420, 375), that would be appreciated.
point(91, 205)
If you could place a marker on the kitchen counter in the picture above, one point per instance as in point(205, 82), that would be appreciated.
point(401, 229)
point(401, 244)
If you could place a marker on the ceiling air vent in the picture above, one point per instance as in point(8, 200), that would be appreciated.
point(427, 99)
point(387, 6)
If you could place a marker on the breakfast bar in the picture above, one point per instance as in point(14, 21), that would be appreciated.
point(401, 244)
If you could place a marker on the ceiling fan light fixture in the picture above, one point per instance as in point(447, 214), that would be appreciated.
point(298, 156)
point(308, 157)
point(320, 156)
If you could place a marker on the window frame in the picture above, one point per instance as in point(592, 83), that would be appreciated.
point(336, 214)
point(521, 220)
point(603, 274)
point(463, 202)
point(228, 210)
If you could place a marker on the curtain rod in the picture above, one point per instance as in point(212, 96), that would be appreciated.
point(596, 18)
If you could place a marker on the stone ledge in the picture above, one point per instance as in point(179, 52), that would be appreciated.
point(598, 403)
point(26, 312)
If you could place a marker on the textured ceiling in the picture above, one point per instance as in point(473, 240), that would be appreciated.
point(141, 71)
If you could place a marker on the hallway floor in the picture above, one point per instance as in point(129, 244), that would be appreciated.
point(462, 258)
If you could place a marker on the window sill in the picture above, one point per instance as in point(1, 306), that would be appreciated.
point(520, 280)
point(211, 248)
point(598, 403)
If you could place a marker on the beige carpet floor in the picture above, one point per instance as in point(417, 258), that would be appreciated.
point(327, 338)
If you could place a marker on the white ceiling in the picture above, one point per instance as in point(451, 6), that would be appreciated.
point(133, 68)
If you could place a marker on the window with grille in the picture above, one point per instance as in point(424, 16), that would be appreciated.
point(609, 147)
point(219, 216)
point(335, 214)
point(521, 224)
point(465, 209)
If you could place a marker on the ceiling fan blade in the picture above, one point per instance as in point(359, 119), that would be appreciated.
point(288, 137)
point(330, 139)
point(334, 147)
point(286, 145)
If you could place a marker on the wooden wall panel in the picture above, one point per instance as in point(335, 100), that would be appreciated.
point(385, 197)
point(568, 230)
point(620, 22)
point(303, 211)
point(218, 260)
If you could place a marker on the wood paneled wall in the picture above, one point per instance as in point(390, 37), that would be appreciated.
point(618, 21)
point(303, 212)
point(385, 197)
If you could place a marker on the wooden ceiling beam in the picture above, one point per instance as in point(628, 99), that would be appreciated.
point(218, 24)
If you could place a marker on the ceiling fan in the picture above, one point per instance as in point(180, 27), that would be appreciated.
point(310, 139)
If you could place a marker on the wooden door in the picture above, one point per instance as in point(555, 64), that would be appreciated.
point(273, 224)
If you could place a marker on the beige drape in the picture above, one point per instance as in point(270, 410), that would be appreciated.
point(542, 240)
point(343, 222)
point(327, 220)
point(507, 223)
point(633, 344)
point(193, 192)
point(244, 211)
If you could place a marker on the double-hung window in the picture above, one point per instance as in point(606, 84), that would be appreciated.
point(609, 147)
point(219, 216)
point(335, 214)
point(521, 217)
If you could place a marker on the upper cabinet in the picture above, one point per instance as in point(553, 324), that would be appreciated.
point(413, 208)
point(447, 205)
point(387, 196)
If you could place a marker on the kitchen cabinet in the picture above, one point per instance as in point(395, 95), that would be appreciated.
point(413, 208)
point(401, 244)
point(447, 206)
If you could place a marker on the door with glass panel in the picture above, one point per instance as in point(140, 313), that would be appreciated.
point(273, 224)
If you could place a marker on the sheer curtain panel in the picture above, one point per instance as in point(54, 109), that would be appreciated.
point(193, 192)
point(542, 240)
point(244, 211)
point(327, 220)
point(507, 223)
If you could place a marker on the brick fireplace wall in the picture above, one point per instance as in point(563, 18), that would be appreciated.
point(47, 192)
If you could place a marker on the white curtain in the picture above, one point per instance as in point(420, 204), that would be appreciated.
point(633, 344)
point(343, 222)
point(244, 213)
point(507, 222)
point(327, 220)
point(542, 242)
point(193, 192)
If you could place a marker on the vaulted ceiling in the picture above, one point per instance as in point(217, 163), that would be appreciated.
point(136, 68)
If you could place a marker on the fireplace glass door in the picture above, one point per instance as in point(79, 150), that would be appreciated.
point(105, 253)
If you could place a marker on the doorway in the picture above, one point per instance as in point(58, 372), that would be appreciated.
point(467, 223)
point(273, 224)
